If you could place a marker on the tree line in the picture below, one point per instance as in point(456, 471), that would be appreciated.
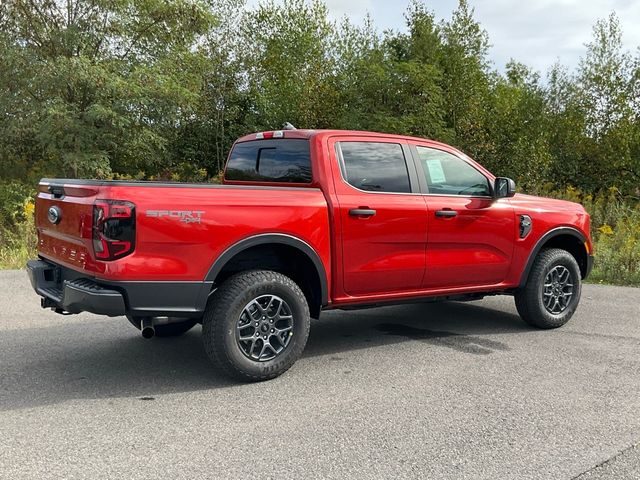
point(161, 89)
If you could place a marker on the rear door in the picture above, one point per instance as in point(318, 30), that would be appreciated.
point(471, 234)
point(382, 215)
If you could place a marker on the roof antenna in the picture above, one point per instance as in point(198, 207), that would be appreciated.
point(288, 126)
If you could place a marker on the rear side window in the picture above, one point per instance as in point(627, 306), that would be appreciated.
point(277, 160)
point(375, 166)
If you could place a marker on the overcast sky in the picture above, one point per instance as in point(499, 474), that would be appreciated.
point(535, 32)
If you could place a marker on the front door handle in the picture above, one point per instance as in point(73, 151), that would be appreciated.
point(362, 212)
point(446, 213)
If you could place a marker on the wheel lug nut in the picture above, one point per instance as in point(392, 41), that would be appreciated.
point(265, 337)
point(272, 330)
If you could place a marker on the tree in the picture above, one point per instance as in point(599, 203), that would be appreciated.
point(159, 89)
point(606, 87)
point(392, 83)
point(221, 114)
point(518, 128)
point(566, 126)
point(466, 79)
point(96, 86)
point(288, 63)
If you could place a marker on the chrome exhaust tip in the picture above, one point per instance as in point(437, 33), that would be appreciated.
point(147, 327)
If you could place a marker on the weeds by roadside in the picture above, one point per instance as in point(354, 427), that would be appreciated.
point(17, 230)
point(18, 247)
point(615, 228)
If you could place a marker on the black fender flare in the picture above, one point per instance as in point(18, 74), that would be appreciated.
point(271, 238)
point(556, 232)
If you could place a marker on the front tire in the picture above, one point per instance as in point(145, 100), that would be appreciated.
point(552, 292)
point(256, 325)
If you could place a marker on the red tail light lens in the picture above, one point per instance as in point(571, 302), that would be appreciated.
point(114, 229)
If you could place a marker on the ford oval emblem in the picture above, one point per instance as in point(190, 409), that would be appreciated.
point(55, 215)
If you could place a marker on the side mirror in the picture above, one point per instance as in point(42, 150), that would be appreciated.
point(504, 187)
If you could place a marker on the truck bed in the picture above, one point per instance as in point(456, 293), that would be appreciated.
point(180, 229)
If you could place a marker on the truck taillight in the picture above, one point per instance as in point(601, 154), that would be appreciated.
point(114, 229)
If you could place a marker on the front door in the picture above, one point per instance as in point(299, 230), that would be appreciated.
point(383, 217)
point(471, 235)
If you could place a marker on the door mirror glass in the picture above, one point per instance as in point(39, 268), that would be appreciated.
point(504, 187)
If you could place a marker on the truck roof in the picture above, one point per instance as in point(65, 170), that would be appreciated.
point(309, 133)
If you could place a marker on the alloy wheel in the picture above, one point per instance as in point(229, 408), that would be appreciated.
point(557, 291)
point(265, 328)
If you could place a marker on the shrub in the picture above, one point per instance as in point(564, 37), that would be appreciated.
point(615, 228)
point(617, 248)
point(17, 230)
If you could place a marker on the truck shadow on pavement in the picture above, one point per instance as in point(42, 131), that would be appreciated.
point(458, 326)
point(98, 359)
point(456, 341)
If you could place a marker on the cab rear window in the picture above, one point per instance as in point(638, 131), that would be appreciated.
point(284, 160)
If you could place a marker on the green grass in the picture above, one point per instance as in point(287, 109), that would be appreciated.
point(19, 244)
point(15, 258)
point(617, 255)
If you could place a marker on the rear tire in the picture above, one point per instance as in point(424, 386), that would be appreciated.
point(256, 325)
point(173, 329)
point(552, 292)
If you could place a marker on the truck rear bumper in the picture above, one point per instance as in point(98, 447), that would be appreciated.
point(73, 296)
point(67, 291)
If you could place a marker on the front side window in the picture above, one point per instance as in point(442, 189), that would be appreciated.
point(375, 166)
point(447, 174)
point(273, 160)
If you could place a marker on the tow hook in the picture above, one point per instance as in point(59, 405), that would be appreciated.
point(49, 303)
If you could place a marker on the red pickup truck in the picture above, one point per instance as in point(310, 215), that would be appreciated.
point(306, 220)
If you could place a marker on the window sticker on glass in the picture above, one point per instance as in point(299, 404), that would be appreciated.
point(435, 171)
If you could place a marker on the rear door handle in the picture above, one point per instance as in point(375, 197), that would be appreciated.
point(446, 213)
point(362, 212)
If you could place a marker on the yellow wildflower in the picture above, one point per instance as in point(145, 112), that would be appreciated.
point(606, 229)
point(29, 208)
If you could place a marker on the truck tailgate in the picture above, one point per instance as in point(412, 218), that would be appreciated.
point(64, 215)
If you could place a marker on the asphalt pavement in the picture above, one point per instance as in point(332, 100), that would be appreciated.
point(450, 390)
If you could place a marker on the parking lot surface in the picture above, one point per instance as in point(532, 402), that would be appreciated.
point(449, 390)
